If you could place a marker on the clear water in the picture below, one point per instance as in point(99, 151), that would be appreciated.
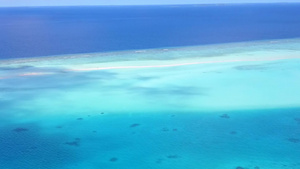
point(228, 106)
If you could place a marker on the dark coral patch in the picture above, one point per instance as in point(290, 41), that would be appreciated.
point(297, 120)
point(134, 125)
point(20, 129)
point(113, 159)
point(158, 161)
point(225, 116)
point(33, 147)
point(256, 167)
point(233, 132)
point(250, 67)
point(75, 143)
point(164, 129)
point(175, 130)
point(239, 167)
point(294, 140)
point(80, 118)
point(172, 156)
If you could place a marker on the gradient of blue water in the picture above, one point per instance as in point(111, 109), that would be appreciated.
point(114, 119)
point(50, 122)
point(40, 31)
point(256, 138)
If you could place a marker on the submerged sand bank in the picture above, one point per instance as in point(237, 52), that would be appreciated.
point(190, 79)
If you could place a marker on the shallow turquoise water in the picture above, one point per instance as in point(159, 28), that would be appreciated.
point(263, 138)
point(239, 107)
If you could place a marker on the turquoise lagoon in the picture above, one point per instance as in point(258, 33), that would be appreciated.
point(226, 106)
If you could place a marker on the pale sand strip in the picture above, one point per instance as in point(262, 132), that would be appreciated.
point(264, 51)
point(182, 64)
point(145, 64)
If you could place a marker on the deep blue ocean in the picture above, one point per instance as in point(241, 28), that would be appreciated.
point(43, 31)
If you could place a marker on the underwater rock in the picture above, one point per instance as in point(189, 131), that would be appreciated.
point(294, 140)
point(20, 129)
point(233, 132)
point(33, 147)
point(158, 161)
point(102, 113)
point(172, 156)
point(164, 129)
point(174, 129)
point(297, 120)
point(225, 116)
point(113, 159)
point(256, 167)
point(250, 67)
point(238, 167)
point(75, 143)
point(79, 118)
point(59, 127)
point(134, 125)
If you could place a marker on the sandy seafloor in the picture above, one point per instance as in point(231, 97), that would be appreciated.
point(227, 106)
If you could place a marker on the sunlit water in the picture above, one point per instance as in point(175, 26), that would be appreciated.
point(230, 106)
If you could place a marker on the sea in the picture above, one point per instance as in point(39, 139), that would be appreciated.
point(150, 87)
point(46, 31)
